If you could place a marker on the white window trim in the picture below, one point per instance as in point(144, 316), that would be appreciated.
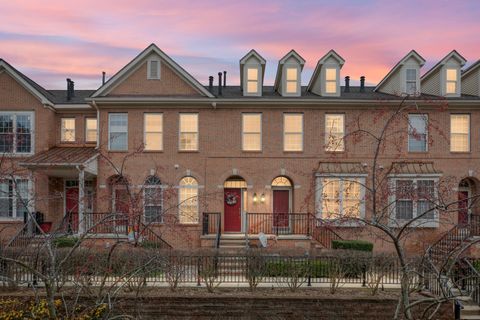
point(62, 131)
point(245, 80)
point(180, 131)
point(425, 115)
point(420, 223)
point(285, 133)
point(145, 130)
point(149, 76)
point(342, 177)
point(324, 80)
point(404, 79)
point(30, 202)
point(14, 152)
point(284, 81)
point(327, 133)
point(197, 187)
point(261, 131)
point(469, 131)
point(109, 131)
point(86, 129)
point(458, 89)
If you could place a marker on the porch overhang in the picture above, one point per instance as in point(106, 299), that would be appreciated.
point(64, 162)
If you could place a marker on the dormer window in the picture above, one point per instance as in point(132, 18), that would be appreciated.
point(451, 82)
point(411, 81)
point(331, 80)
point(153, 69)
point(252, 80)
point(291, 81)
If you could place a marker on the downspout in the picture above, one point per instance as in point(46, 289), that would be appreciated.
point(94, 104)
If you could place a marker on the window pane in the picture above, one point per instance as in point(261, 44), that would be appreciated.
point(404, 209)
point(252, 127)
point(331, 87)
point(118, 131)
point(21, 196)
point(411, 75)
point(252, 86)
point(68, 129)
point(153, 141)
point(252, 74)
point(188, 141)
point(334, 125)
point(411, 87)
point(6, 133)
point(189, 132)
point(6, 204)
point(153, 132)
point(292, 74)
point(451, 74)
point(417, 132)
point(293, 123)
point(188, 122)
point(331, 74)
point(291, 86)
point(459, 133)
point(451, 87)
point(293, 142)
point(153, 122)
point(252, 142)
point(91, 129)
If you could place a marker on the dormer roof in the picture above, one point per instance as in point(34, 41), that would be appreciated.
point(470, 79)
point(453, 54)
point(281, 62)
point(316, 73)
point(412, 54)
point(141, 58)
point(471, 69)
point(252, 54)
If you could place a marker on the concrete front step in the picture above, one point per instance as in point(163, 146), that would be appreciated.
point(470, 310)
point(469, 317)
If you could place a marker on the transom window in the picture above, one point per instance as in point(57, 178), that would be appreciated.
point(342, 197)
point(188, 132)
point(291, 82)
point(411, 81)
point(413, 198)
point(91, 129)
point(417, 132)
point(14, 198)
point(188, 200)
point(334, 132)
point(153, 200)
point(118, 131)
point(252, 131)
point(281, 182)
point(153, 126)
point(451, 83)
point(293, 132)
point(459, 132)
point(16, 132)
point(331, 80)
point(252, 80)
point(68, 130)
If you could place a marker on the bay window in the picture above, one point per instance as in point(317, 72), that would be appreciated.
point(16, 132)
point(341, 197)
point(414, 197)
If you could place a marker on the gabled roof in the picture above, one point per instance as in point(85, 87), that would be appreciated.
point(131, 66)
point(411, 54)
point(251, 53)
point(282, 61)
point(321, 62)
point(34, 88)
point(470, 69)
point(452, 54)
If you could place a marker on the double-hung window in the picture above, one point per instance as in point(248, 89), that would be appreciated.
point(188, 132)
point(291, 81)
point(459, 132)
point(293, 132)
point(14, 198)
point(251, 131)
point(331, 80)
point(16, 132)
point(341, 197)
point(91, 129)
point(153, 126)
point(334, 132)
point(252, 80)
point(451, 81)
point(414, 197)
point(67, 130)
point(411, 81)
point(118, 131)
point(417, 132)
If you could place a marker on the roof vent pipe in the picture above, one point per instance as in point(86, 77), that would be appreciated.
point(210, 84)
point(219, 83)
point(362, 84)
point(224, 79)
point(347, 84)
point(103, 78)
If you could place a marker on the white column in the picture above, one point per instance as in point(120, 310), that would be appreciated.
point(81, 201)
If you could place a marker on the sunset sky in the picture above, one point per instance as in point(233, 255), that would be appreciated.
point(52, 40)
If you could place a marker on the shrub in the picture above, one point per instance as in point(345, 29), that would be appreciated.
point(65, 242)
point(358, 245)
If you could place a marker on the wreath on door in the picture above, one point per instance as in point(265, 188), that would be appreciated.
point(231, 198)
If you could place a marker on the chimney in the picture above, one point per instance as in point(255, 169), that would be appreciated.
point(347, 84)
point(362, 84)
point(210, 84)
point(69, 92)
point(219, 83)
point(72, 90)
point(103, 78)
point(224, 79)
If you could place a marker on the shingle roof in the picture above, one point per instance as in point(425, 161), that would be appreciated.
point(60, 96)
point(58, 156)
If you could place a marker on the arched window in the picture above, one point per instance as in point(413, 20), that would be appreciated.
point(188, 200)
point(281, 182)
point(153, 200)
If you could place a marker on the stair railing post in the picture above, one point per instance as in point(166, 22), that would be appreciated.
point(245, 224)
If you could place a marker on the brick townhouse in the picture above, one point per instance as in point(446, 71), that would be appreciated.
point(231, 159)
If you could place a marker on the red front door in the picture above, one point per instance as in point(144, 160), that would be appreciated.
point(463, 207)
point(71, 208)
point(233, 210)
point(281, 208)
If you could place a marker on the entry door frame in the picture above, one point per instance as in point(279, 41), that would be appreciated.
point(88, 188)
point(243, 197)
point(468, 190)
point(290, 202)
